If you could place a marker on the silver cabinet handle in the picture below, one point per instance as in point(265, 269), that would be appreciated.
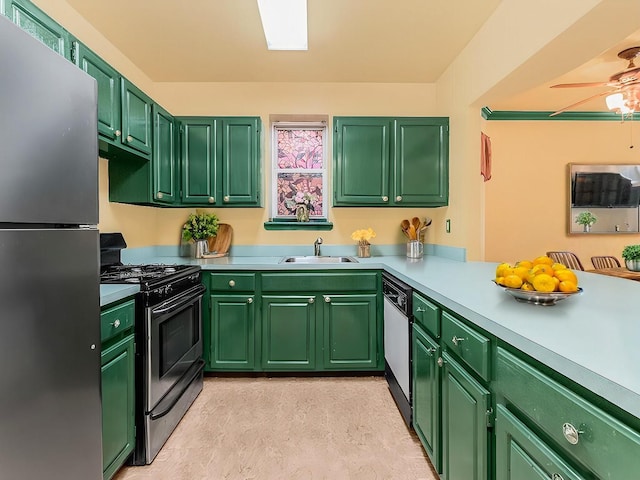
point(311, 300)
point(118, 133)
point(557, 476)
point(159, 195)
point(399, 198)
point(249, 300)
point(232, 283)
point(116, 323)
point(571, 433)
point(456, 340)
point(226, 198)
point(431, 351)
point(440, 361)
point(420, 309)
point(212, 200)
point(129, 138)
point(385, 199)
point(327, 299)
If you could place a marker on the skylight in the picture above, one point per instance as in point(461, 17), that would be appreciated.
point(284, 23)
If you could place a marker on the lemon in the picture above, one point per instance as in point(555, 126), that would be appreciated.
point(512, 281)
point(544, 283)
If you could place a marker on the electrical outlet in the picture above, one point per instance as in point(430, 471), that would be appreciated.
point(447, 225)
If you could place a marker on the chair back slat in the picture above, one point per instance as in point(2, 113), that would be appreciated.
point(605, 261)
point(569, 259)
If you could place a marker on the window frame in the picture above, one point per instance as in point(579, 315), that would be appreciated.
point(299, 125)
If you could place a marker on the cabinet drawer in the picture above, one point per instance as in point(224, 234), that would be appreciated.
point(427, 315)
point(233, 282)
point(604, 445)
point(116, 319)
point(470, 346)
point(320, 282)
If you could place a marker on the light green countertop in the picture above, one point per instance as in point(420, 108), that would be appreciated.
point(591, 338)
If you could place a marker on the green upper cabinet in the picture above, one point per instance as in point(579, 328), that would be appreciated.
point(108, 80)
point(37, 24)
point(361, 161)
point(136, 118)
point(393, 162)
point(164, 160)
point(239, 161)
point(220, 161)
point(198, 140)
point(420, 162)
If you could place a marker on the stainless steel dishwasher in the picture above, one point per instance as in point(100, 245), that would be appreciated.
point(397, 342)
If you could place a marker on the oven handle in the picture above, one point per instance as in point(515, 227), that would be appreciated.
point(176, 303)
point(200, 367)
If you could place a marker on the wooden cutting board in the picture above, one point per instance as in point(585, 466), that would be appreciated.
point(219, 245)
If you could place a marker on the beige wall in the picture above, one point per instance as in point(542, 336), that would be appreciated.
point(527, 198)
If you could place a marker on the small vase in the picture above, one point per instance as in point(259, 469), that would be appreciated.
point(586, 228)
point(202, 248)
point(302, 212)
point(364, 250)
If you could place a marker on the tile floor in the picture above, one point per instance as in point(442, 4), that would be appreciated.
point(286, 428)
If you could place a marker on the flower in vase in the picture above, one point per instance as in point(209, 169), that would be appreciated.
point(363, 236)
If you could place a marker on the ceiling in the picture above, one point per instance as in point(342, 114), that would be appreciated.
point(381, 41)
point(349, 40)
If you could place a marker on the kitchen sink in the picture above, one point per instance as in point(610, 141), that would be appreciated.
point(318, 259)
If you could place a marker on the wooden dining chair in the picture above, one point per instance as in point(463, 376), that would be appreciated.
point(605, 261)
point(568, 259)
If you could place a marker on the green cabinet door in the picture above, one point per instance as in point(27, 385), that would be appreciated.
point(238, 161)
point(232, 335)
point(198, 171)
point(465, 417)
point(109, 98)
point(118, 396)
point(420, 162)
point(288, 332)
point(164, 184)
point(361, 161)
point(37, 24)
point(136, 118)
point(521, 455)
point(426, 394)
point(350, 331)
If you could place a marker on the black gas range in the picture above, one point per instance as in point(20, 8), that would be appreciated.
point(158, 282)
point(168, 335)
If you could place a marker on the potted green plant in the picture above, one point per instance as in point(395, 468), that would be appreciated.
point(198, 228)
point(631, 255)
point(586, 219)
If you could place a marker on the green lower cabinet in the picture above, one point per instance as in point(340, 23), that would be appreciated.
point(426, 394)
point(288, 332)
point(350, 331)
point(232, 337)
point(521, 455)
point(118, 396)
point(465, 421)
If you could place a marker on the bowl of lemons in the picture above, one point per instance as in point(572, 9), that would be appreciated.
point(540, 281)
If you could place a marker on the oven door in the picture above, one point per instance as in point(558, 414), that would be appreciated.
point(174, 342)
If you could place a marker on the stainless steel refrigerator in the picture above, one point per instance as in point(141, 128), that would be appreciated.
point(50, 412)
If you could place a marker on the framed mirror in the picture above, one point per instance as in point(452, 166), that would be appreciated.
point(604, 198)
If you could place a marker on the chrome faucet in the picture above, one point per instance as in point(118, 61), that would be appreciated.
point(316, 246)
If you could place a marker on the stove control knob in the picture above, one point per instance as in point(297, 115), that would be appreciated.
point(168, 290)
point(232, 283)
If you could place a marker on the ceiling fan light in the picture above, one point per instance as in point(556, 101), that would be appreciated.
point(615, 101)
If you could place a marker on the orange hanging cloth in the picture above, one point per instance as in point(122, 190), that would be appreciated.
point(485, 156)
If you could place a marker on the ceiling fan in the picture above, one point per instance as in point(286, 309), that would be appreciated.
point(624, 97)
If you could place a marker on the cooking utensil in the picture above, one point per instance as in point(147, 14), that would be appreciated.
point(415, 221)
point(427, 221)
point(413, 234)
point(404, 226)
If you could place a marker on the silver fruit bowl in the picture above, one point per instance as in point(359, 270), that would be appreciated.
point(538, 298)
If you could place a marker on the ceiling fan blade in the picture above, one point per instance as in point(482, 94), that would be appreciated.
point(586, 84)
point(573, 105)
